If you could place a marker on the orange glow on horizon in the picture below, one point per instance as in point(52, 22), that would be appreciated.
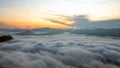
point(34, 24)
point(26, 20)
point(29, 22)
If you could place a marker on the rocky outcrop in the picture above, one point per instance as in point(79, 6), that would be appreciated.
point(5, 38)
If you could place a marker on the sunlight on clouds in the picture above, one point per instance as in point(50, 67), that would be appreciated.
point(32, 19)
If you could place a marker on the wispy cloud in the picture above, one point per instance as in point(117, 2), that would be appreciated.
point(87, 1)
point(4, 25)
point(57, 22)
point(61, 19)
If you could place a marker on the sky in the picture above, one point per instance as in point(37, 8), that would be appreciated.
point(54, 13)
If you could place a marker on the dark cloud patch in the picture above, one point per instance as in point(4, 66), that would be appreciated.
point(64, 17)
point(57, 21)
point(81, 21)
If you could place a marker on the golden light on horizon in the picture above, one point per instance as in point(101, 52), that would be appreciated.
point(34, 23)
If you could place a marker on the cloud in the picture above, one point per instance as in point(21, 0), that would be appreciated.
point(57, 22)
point(60, 52)
point(88, 1)
point(81, 21)
point(60, 19)
point(70, 18)
point(4, 25)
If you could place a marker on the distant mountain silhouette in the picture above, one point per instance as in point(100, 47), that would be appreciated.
point(98, 32)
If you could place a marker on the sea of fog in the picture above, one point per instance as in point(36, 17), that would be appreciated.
point(60, 51)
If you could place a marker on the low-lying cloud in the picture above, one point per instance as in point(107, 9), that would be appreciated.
point(55, 52)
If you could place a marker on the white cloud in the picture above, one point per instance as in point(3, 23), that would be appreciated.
point(60, 51)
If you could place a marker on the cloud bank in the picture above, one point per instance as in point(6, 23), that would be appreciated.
point(60, 51)
point(82, 21)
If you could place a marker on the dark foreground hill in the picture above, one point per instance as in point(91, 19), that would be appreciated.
point(5, 38)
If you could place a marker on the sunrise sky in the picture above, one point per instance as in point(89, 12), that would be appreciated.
point(54, 13)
